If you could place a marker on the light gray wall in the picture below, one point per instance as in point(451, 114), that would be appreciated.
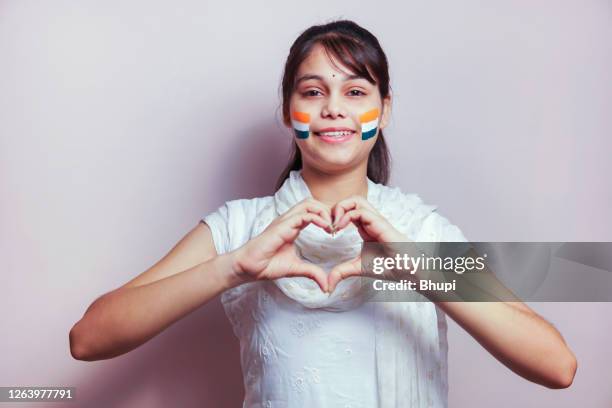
point(123, 123)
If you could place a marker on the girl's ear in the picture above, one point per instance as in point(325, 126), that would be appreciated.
point(386, 113)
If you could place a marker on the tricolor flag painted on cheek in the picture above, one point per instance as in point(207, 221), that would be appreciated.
point(301, 124)
point(369, 124)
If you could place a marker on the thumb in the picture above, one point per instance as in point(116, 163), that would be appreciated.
point(352, 267)
point(311, 271)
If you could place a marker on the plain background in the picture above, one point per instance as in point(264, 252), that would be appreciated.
point(123, 123)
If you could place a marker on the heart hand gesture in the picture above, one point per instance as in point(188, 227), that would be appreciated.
point(372, 227)
point(272, 254)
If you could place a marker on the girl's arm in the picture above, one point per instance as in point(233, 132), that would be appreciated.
point(186, 278)
point(519, 338)
point(512, 332)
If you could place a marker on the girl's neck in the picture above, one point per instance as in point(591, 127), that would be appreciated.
point(329, 188)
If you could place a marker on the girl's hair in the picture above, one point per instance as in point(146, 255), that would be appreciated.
point(356, 48)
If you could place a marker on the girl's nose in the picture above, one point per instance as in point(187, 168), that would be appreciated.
point(333, 108)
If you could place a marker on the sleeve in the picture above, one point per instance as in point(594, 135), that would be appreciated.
point(437, 228)
point(218, 222)
point(231, 223)
point(451, 232)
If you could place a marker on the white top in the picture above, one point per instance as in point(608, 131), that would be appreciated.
point(295, 357)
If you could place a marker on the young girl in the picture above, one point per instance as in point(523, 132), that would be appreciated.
point(286, 264)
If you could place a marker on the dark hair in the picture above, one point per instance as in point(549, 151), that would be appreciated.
point(356, 48)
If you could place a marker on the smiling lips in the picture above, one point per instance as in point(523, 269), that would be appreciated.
point(335, 134)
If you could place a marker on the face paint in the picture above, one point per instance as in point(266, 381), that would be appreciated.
point(301, 124)
point(369, 124)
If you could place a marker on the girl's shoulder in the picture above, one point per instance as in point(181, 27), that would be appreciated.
point(421, 220)
point(232, 221)
point(247, 207)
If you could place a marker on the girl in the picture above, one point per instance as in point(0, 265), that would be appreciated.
point(286, 264)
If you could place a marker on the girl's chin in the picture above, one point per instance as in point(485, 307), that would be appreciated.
point(343, 153)
point(336, 160)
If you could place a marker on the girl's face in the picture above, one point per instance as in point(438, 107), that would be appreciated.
point(335, 115)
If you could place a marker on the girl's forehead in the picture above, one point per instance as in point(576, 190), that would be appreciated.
point(318, 62)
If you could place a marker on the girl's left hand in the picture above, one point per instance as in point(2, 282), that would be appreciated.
point(372, 227)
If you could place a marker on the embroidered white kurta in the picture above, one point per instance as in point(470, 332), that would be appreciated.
point(296, 357)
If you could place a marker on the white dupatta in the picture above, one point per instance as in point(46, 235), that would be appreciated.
point(411, 348)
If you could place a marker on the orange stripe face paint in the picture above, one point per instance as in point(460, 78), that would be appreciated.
point(369, 123)
point(301, 124)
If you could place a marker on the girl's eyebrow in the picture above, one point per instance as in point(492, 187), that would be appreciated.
point(306, 77)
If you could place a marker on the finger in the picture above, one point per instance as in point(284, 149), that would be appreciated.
point(339, 210)
point(357, 215)
point(363, 233)
point(311, 271)
point(301, 221)
point(291, 227)
point(311, 205)
point(343, 271)
point(353, 202)
point(319, 208)
point(370, 225)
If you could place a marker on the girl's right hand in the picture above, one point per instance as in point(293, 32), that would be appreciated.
point(272, 254)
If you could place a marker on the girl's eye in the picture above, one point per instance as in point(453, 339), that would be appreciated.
point(310, 92)
point(314, 92)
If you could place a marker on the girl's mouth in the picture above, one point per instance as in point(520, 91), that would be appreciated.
point(336, 136)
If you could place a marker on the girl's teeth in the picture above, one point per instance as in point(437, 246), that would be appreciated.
point(335, 134)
